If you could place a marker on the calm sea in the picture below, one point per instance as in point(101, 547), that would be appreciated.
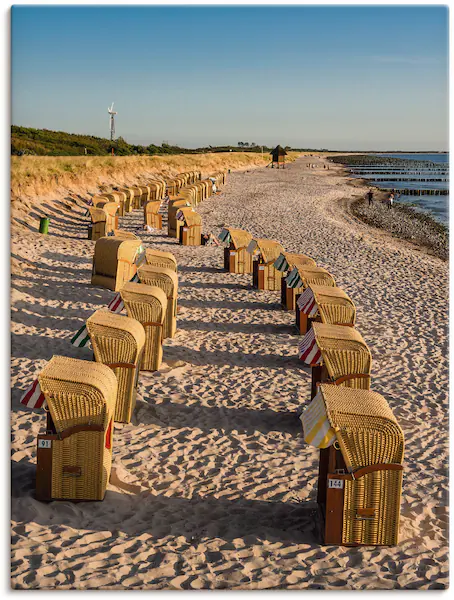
point(436, 206)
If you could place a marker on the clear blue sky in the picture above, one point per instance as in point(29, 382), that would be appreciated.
point(332, 77)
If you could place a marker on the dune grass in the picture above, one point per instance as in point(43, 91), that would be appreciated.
point(42, 175)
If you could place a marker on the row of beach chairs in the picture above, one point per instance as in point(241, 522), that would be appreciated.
point(360, 442)
point(83, 399)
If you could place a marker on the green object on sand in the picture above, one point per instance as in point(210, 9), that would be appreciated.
point(44, 225)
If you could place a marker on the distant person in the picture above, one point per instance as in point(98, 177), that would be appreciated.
point(390, 200)
point(370, 197)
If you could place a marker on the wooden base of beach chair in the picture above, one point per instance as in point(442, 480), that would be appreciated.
point(237, 261)
point(191, 236)
point(266, 277)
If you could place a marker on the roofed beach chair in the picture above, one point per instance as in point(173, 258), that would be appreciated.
point(158, 258)
point(97, 228)
point(337, 354)
point(360, 471)
point(236, 257)
point(285, 262)
point(265, 276)
point(148, 305)
point(129, 196)
point(167, 281)
point(114, 262)
point(118, 343)
point(151, 214)
point(111, 210)
point(139, 197)
point(190, 233)
point(117, 197)
point(74, 456)
point(173, 226)
point(325, 304)
point(299, 278)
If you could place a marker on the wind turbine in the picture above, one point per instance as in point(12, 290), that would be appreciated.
point(112, 114)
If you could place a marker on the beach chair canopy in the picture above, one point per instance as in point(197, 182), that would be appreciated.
point(111, 208)
point(269, 250)
point(360, 420)
point(125, 235)
point(162, 259)
point(341, 349)
point(238, 237)
point(152, 207)
point(304, 275)
point(189, 217)
point(110, 250)
point(166, 279)
point(287, 260)
point(331, 303)
point(115, 338)
point(78, 392)
point(97, 215)
point(154, 297)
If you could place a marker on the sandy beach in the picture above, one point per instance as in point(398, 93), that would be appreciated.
point(213, 486)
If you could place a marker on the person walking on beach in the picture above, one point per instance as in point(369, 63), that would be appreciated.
point(370, 196)
point(390, 200)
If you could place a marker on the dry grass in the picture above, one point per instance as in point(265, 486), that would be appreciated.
point(41, 175)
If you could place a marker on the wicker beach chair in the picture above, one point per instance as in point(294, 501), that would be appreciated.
point(111, 209)
point(119, 199)
point(97, 228)
point(360, 470)
point(148, 305)
point(114, 262)
point(325, 304)
point(190, 233)
point(337, 354)
point(167, 281)
point(299, 278)
point(129, 196)
point(74, 456)
point(139, 196)
point(264, 274)
point(236, 257)
point(118, 342)
point(173, 225)
point(158, 258)
point(286, 262)
point(151, 214)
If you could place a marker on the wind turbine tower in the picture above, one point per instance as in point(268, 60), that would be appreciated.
point(112, 114)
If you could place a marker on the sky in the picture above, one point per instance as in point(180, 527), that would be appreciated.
point(336, 77)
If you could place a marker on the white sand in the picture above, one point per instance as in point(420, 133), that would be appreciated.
point(213, 485)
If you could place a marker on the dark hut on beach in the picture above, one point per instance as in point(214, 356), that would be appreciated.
point(278, 155)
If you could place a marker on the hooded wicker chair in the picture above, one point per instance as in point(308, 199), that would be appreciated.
point(158, 258)
point(172, 223)
point(118, 342)
point(74, 456)
point(286, 262)
point(264, 275)
point(129, 196)
point(156, 188)
point(119, 199)
point(360, 474)
point(337, 354)
point(299, 278)
point(114, 262)
point(167, 281)
point(111, 209)
point(97, 229)
point(190, 233)
point(236, 258)
point(151, 214)
point(139, 196)
point(325, 304)
point(148, 305)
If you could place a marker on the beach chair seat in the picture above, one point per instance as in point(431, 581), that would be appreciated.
point(190, 232)
point(326, 304)
point(74, 455)
point(360, 471)
point(118, 342)
point(264, 274)
point(97, 228)
point(236, 257)
point(337, 354)
point(158, 258)
point(148, 305)
point(114, 261)
point(151, 214)
point(167, 281)
point(285, 262)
